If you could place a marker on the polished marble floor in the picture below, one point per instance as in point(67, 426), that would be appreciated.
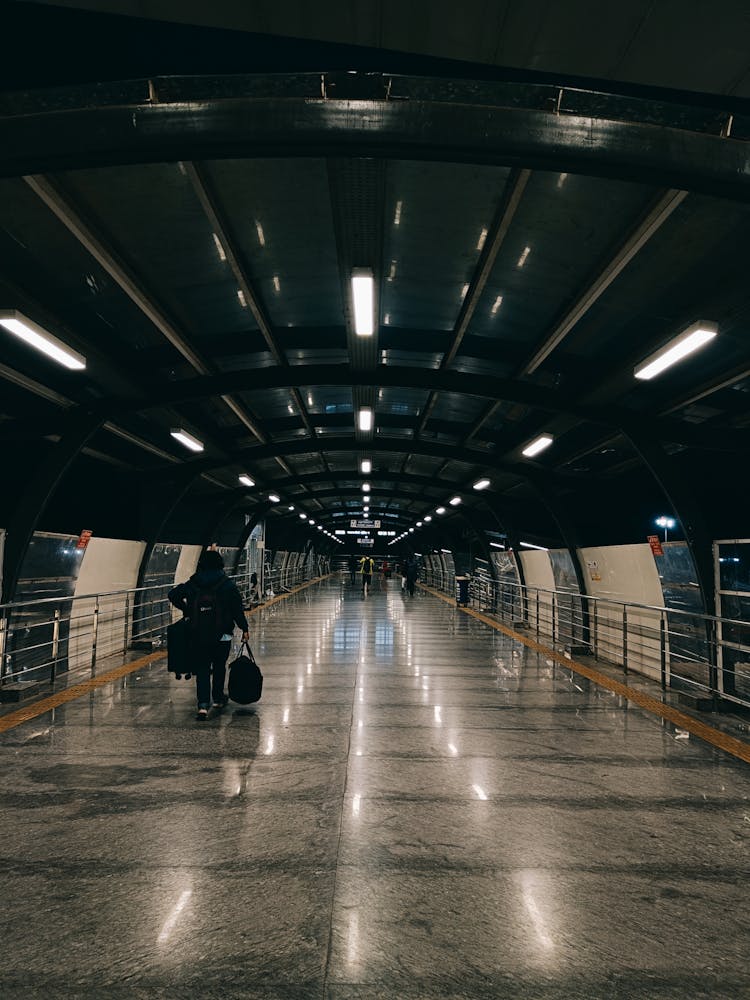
point(418, 808)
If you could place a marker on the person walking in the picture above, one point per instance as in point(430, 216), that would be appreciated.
point(366, 567)
point(212, 606)
point(411, 571)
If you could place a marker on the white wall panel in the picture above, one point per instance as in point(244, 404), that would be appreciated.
point(187, 562)
point(537, 569)
point(627, 574)
point(538, 577)
point(109, 565)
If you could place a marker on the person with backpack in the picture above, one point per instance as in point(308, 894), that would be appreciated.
point(212, 606)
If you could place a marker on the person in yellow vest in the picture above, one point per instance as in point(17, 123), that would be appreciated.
point(366, 567)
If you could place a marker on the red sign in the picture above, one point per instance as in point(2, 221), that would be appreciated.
point(655, 542)
point(83, 541)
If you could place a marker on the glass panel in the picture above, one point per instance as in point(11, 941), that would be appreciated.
point(49, 570)
point(734, 566)
point(153, 611)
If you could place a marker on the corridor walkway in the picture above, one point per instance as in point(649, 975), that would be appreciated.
point(419, 807)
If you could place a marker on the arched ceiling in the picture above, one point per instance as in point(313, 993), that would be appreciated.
point(194, 239)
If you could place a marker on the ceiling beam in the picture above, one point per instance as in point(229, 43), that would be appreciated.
point(639, 236)
point(54, 198)
point(498, 229)
point(286, 125)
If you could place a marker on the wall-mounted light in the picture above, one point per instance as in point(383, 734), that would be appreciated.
point(186, 439)
point(537, 445)
point(690, 340)
point(363, 299)
point(246, 480)
point(37, 337)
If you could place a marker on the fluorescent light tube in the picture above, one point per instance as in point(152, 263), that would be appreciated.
point(187, 439)
point(537, 445)
point(247, 481)
point(481, 484)
point(363, 294)
point(689, 340)
point(365, 418)
point(37, 337)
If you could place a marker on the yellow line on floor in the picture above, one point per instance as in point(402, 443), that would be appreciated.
point(37, 708)
point(729, 744)
point(34, 709)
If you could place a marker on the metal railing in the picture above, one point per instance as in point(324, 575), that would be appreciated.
point(42, 638)
point(704, 655)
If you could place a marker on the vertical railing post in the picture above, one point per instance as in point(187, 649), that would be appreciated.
point(126, 632)
point(624, 639)
point(595, 631)
point(55, 646)
point(554, 619)
point(95, 634)
point(537, 612)
point(663, 650)
point(713, 657)
point(4, 622)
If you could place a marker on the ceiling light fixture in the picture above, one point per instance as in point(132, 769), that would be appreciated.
point(680, 347)
point(303, 516)
point(363, 298)
point(428, 518)
point(365, 418)
point(365, 466)
point(440, 510)
point(455, 501)
point(36, 336)
point(246, 480)
point(365, 487)
point(481, 484)
point(274, 498)
point(537, 445)
point(187, 439)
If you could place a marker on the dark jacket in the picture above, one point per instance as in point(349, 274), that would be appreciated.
point(230, 599)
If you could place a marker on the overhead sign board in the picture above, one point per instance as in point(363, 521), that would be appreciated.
point(364, 524)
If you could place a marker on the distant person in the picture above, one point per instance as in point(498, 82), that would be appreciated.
point(352, 568)
point(212, 606)
point(366, 568)
point(254, 595)
point(411, 569)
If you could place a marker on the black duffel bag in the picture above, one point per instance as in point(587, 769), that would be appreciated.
point(245, 679)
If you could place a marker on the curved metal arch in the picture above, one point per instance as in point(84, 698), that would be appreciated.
point(264, 126)
point(379, 376)
point(387, 445)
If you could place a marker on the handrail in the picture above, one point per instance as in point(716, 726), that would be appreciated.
point(702, 654)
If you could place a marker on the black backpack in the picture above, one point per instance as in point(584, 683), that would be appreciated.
point(204, 615)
